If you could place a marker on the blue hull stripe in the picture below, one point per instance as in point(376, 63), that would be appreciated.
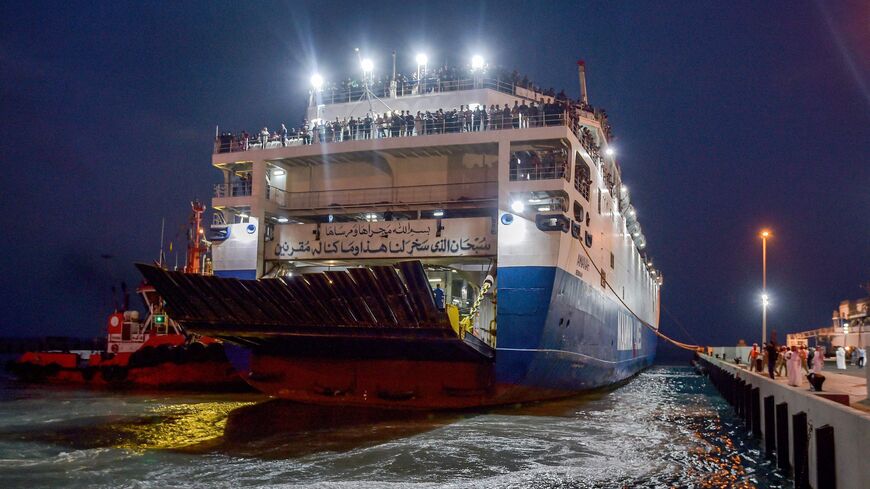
point(239, 274)
point(556, 331)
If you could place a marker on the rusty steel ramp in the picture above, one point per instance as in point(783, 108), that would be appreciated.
point(367, 312)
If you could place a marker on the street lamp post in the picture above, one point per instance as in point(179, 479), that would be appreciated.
point(764, 287)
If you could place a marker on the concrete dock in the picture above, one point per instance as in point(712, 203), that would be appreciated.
point(814, 436)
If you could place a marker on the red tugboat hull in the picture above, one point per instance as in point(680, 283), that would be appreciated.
point(64, 368)
point(179, 369)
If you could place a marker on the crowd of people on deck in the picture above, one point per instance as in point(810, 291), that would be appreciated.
point(549, 108)
point(797, 361)
point(441, 78)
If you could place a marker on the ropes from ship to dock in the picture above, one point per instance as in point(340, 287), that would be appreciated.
point(658, 333)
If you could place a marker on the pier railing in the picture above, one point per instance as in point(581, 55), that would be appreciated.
point(416, 194)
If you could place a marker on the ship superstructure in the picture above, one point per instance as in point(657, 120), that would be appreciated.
point(333, 247)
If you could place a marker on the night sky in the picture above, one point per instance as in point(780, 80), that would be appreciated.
point(729, 116)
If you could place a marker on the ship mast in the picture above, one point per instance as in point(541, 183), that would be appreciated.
point(196, 248)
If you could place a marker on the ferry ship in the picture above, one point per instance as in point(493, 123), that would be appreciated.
point(469, 257)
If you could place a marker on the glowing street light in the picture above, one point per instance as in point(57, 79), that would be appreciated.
point(316, 81)
point(764, 298)
point(422, 61)
point(476, 62)
point(517, 206)
point(367, 65)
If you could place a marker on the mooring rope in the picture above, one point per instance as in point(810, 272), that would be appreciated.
point(680, 344)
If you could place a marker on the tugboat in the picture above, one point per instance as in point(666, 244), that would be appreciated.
point(155, 353)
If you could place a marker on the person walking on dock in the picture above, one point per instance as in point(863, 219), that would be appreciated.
point(862, 357)
point(753, 356)
point(803, 354)
point(772, 353)
point(781, 361)
point(793, 367)
point(818, 361)
point(841, 358)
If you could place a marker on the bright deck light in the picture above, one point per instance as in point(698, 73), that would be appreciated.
point(367, 65)
point(316, 81)
point(278, 172)
point(609, 151)
point(282, 220)
point(765, 300)
point(476, 62)
point(517, 206)
point(438, 213)
point(422, 59)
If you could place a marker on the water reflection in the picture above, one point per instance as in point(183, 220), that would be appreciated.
point(666, 428)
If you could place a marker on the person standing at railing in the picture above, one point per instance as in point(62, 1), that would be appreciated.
point(367, 127)
point(461, 118)
point(492, 117)
point(418, 124)
point(535, 172)
point(395, 125)
point(515, 114)
point(264, 137)
point(306, 134)
point(351, 125)
point(534, 114)
point(378, 122)
point(506, 117)
point(524, 115)
point(283, 135)
point(409, 123)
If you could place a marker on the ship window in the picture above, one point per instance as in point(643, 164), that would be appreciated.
point(599, 201)
point(582, 180)
point(578, 211)
point(612, 260)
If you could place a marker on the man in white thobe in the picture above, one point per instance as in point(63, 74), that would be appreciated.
point(841, 358)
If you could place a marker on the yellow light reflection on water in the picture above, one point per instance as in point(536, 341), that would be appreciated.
point(177, 426)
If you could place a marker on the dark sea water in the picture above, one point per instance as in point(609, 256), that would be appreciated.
point(667, 427)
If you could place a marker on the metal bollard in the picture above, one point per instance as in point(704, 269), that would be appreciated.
point(826, 467)
point(782, 448)
point(755, 409)
point(800, 444)
point(769, 426)
point(747, 404)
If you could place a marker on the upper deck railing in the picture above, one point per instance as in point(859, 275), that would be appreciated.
point(426, 86)
point(449, 122)
point(417, 194)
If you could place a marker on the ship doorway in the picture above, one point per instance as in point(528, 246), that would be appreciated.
point(461, 285)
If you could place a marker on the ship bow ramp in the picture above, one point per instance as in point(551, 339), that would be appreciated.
point(377, 312)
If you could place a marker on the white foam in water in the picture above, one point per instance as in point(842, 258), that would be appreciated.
point(667, 427)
